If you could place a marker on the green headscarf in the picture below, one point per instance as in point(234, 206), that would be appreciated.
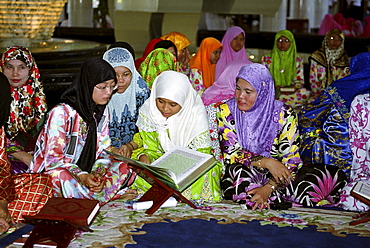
point(283, 67)
point(157, 61)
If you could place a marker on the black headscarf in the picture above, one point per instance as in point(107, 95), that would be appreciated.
point(79, 96)
point(123, 44)
point(5, 99)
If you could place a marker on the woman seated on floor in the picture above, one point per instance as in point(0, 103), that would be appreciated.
point(174, 115)
point(259, 140)
point(324, 123)
point(157, 61)
point(124, 105)
point(71, 145)
point(15, 189)
point(324, 127)
point(260, 144)
point(222, 90)
point(28, 106)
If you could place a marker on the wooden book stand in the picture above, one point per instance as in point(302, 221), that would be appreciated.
point(53, 231)
point(159, 192)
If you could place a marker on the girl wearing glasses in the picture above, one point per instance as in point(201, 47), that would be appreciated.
point(286, 68)
point(71, 145)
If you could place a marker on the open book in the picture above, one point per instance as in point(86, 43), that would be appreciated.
point(361, 191)
point(177, 168)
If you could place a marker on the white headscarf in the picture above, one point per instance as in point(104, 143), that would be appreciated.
point(122, 57)
point(183, 127)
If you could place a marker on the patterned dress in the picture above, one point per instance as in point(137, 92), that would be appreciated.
point(237, 160)
point(25, 193)
point(310, 186)
point(196, 80)
point(298, 98)
point(359, 126)
point(59, 147)
point(318, 74)
point(324, 134)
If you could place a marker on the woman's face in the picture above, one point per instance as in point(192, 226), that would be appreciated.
point(166, 107)
point(335, 41)
point(245, 95)
point(172, 50)
point(103, 91)
point(17, 72)
point(215, 55)
point(238, 43)
point(283, 43)
point(124, 77)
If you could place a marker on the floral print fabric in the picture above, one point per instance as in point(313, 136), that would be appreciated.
point(25, 193)
point(359, 127)
point(299, 97)
point(59, 147)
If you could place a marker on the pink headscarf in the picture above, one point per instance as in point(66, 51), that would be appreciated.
point(224, 87)
point(358, 28)
point(228, 54)
point(327, 24)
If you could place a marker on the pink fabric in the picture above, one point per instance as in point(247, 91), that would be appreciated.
point(366, 32)
point(339, 18)
point(224, 87)
point(327, 24)
point(358, 28)
point(228, 54)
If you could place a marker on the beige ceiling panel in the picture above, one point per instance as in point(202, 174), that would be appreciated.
point(180, 6)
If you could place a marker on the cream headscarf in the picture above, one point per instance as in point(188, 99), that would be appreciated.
point(181, 128)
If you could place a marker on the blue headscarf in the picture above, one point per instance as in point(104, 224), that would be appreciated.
point(343, 91)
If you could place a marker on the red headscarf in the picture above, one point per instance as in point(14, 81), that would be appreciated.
point(149, 48)
point(202, 61)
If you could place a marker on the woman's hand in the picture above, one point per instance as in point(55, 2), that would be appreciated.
point(260, 197)
point(23, 156)
point(280, 173)
point(130, 194)
point(144, 158)
point(126, 149)
point(94, 182)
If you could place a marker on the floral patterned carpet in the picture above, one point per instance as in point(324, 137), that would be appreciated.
point(118, 225)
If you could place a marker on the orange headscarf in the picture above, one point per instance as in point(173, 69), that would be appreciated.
point(202, 62)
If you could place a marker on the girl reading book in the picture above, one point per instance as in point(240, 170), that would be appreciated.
point(71, 145)
point(174, 115)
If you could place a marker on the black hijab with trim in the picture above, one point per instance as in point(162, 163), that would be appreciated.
point(79, 96)
point(5, 99)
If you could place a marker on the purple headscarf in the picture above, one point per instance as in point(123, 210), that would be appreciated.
point(258, 127)
point(224, 87)
point(228, 54)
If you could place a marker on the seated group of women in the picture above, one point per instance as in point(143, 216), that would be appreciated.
point(109, 106)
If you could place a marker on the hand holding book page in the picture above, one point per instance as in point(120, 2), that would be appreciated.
point(177, 168)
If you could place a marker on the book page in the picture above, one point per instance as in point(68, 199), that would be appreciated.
point(181, 161)
point(362, 189)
